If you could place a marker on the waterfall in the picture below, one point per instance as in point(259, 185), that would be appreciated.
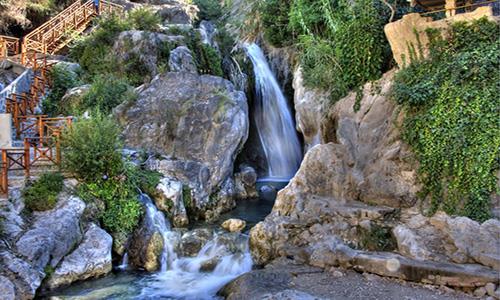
point(222, 259)
point(273, 119)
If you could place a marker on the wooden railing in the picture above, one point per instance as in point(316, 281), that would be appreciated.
point(59, 31)
point(9, 46)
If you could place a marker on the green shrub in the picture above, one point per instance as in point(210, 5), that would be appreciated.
point(107, 92)
point(41, 195)
point(144, 19)
point(275, 21)
point(145, 180)
point(62, 80)
point(452, 119)
point(208, 60)
point(91, 148)
point(122, 208)
point(209, 9)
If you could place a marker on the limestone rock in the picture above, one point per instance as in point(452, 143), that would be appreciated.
point(54, 233)
point(308, 109)
point(146, 245)
point(167, 118)
point(7, 289)
point(192, 242)
point(74, 97)
point(170, 199)
point(143, 47)
point(181, 60)
point(245, 181)
point(234, 225)
point(91, 259)
point(409, 244)
point(222, 201)
point(24, 277)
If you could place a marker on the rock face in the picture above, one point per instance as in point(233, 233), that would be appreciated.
point(91, 259)
point(181, 60)
point(146, 246)
point(144, 48)
point(308, 109)
point(170, 199)
point(198, 123)
point(355, 193)
point(74, 97)
point(245, 181)
point(54, 233)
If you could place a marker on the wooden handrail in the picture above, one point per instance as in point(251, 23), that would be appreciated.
point(9, 46)
point(448, 9)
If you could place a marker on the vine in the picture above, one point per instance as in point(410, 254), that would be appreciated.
point(452, 120)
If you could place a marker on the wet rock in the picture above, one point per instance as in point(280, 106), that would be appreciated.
point(145, 250)
point(181, 60)
point(234, 225)
point(166, 119)
point(91, 259)
point(7, 289)
point(169, 198)
point(192, 242)
point(222, 201)
point(54, 233)
point(245, 181)
point(268, 192)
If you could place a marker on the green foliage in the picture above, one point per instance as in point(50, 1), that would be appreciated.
point(208, 60)
point(48, 270)
point(187, 198)
point(41, 195)
point(341, 43)
point(275, 21)
point(62, 80)
point(107, 92)
point(144, 19)
point(145, 180)
point(209, 9)
point(452, 123)
point(90, 148)
point(377, 238)
point(122, 208)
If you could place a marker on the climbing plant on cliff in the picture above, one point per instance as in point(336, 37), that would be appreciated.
point(341, 43)
point(453, 122)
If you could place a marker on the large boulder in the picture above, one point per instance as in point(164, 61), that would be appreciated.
point(198, 123)
point(73, 99)
point(91, 259)
point(181, 60)
point(169, 198)
point(20, 274)
point(53, 234)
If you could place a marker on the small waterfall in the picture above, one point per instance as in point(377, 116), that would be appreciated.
point(274, 121)
point(221, 260)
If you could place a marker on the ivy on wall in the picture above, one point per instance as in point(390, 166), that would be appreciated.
point(453, 122)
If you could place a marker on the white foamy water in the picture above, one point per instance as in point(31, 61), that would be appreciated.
point(200, 277)
point(274, 120)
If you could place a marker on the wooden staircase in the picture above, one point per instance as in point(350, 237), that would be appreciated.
point(55, 34)
point(38, 136)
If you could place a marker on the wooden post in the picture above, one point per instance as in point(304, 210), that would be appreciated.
point(27, 159)
point(58, 149)
point(5, 173)
point(450, 8)
point(40, 129)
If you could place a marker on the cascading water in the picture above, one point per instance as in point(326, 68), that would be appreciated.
point(221, 260)
point(273, 119)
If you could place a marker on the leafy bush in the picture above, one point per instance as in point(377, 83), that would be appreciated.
point(107, 92)
point(90, 148)
point(209, 9)
point(275, 21)
point(144, 19)
point(452, 117)
point(62, 80)
point(122, 208)
point(207, 59)
point(342, 44)
point(41, 195)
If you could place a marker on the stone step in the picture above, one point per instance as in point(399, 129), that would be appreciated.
point(431, 272)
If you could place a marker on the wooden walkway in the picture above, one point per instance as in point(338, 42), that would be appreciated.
point(55, 34)
point(39, 133)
